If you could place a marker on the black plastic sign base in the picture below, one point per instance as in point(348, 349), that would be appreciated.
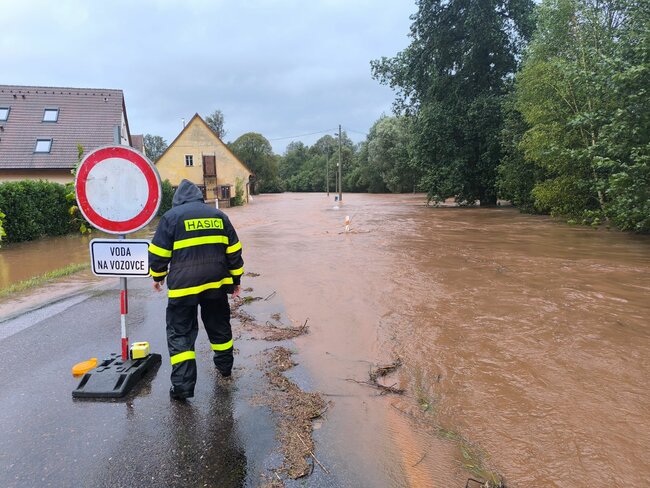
point(113, 377)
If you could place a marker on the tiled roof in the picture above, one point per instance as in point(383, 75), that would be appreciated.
point(86, 116)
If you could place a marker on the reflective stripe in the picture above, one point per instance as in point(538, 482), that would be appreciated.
point(200, 241)
point(195, 290)
point(233, 248)
point(159, 251)
point(222, 347)
point(153, 273)
point(236, 272)
point(182, 356)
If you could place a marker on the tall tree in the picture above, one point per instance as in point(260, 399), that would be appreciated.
point(627, 135)
point(295, 156)
point(583, 93)
point(154, 146)
point(452, 78)
point(255, 151)
point(517, 175)
point(215, 120)
point(305, 168)
point(389, 154)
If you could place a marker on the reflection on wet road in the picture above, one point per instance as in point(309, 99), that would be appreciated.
point(50, 439)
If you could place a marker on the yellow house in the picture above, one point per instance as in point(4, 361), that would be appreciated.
point(198, 155)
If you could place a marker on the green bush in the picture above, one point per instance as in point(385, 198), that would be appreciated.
point(166, 198)
point(34, 209)
point(77, 219)
point(238, 199)
point(2, 230)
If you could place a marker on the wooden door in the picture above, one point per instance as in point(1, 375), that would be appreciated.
point(209, 166)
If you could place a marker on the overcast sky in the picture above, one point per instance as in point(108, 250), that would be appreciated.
point(278, 67)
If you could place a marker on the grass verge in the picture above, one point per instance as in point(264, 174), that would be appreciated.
point(40, 279)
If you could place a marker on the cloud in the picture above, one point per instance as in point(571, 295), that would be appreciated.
point(278, 67)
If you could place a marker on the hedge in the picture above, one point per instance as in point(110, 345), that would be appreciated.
point(34, 209)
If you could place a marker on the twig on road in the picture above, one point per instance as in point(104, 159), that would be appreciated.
point(312, 454)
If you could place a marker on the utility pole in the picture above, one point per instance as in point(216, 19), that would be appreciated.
point(327, 178)
point(340, 180)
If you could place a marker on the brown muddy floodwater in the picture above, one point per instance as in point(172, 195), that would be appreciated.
point(524, 341)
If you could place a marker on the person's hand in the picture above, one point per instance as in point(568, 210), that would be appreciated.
point(158, 285)
point(236, 291)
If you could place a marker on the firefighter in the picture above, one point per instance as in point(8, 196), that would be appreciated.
point(197, 250)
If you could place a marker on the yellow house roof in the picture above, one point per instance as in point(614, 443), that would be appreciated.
point(199, 119)
point(195, 147)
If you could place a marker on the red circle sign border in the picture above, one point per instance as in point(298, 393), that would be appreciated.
point(153, 182)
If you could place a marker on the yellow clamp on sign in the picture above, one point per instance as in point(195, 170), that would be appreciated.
point(139, 350)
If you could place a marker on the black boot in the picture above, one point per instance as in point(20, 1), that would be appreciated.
point(178, 394)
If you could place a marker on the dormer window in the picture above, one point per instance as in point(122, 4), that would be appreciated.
point(51, 115)
point(4, 113)
point(43, 145)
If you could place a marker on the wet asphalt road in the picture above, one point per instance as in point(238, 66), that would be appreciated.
point(219, 438)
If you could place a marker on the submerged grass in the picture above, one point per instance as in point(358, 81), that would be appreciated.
point(41, 279)
point(472, 458)
point(421, 388)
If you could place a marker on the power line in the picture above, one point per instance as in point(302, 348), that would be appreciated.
point(357, 132)
point(302, 135)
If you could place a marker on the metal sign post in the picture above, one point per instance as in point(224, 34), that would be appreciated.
point(124, 309)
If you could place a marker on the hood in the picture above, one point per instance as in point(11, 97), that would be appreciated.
point(187, 192)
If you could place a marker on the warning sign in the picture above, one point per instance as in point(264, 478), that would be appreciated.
point(118, 189)
point(120, 257)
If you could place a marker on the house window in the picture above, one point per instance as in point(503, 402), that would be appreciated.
point(43, 145)
point(189, 160)
point(224, 194)
point(50, 115)
point(4, 114)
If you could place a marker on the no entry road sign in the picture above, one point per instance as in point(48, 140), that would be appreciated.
point(120, 257)
point(118, 189)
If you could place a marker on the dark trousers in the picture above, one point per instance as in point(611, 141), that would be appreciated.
point(182, 329)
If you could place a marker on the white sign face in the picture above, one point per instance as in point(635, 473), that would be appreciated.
point(120, 257)
point(118, 188)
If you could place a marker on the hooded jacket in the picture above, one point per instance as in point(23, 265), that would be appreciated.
point(195, 247)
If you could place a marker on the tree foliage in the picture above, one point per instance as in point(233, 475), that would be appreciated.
point(215, 120)
point(154, 146)
point(385, 159)
point(255, 151)
point(166, 198)
point(452, 79)
point(76, 217)
point(2, 230)
point(238, 200)
point(306, 168)
point(583, 93)
point(517, 176)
